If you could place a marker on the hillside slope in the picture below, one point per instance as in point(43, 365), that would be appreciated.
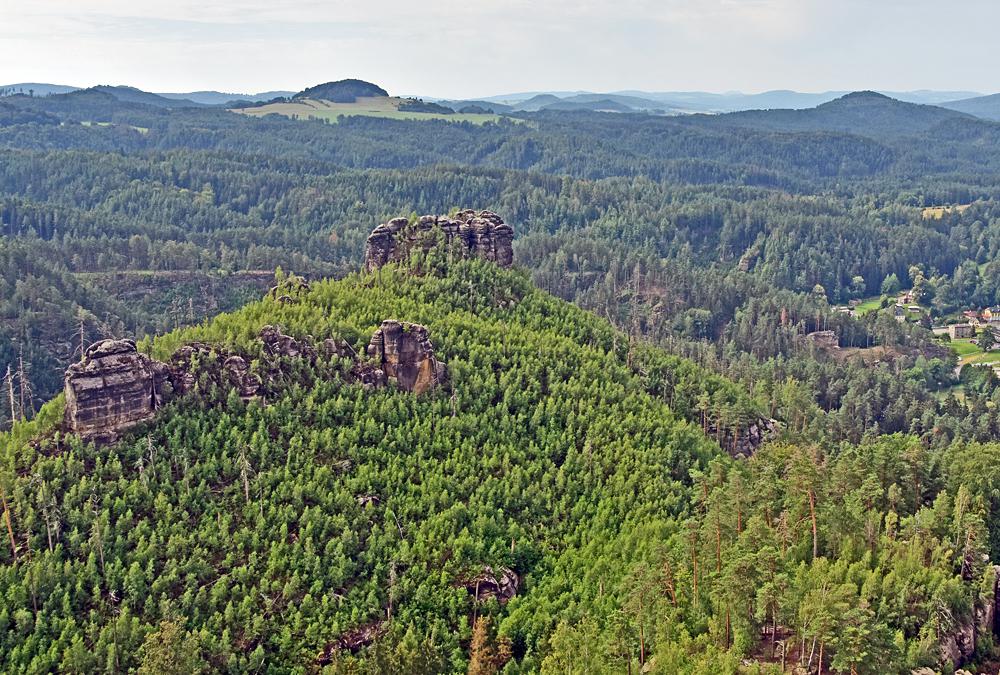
point(546, 495)
point(277, 530)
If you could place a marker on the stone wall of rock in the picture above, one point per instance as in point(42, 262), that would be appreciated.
point(957, 646)
point(115, 387)
point(746, 440)
point(403, 351)
point(480, 234)
point(824, 339)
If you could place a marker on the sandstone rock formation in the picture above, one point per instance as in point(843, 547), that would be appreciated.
point(471, 234)
point(113, 388)
point(824, 339)
point(501, 585)
point(199, 360)
point(405, 353)
point(352, 640)
point(277, 343)
point(958, 644)
point(744, 441)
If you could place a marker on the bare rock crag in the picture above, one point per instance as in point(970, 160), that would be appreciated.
point(115, 387)
point(405, 354)
point(472, 234)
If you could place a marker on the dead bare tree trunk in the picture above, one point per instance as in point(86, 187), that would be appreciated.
point(812, 516)
point(7, 520)
point(10, 393)
point(24, 388)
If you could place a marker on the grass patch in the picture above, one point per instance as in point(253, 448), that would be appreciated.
point(868, 305)
point(964, 347)
point(983, 358)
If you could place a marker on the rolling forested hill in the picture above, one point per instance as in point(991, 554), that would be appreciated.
point(358, 530)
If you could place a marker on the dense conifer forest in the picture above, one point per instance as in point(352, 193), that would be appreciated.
point(669, 273)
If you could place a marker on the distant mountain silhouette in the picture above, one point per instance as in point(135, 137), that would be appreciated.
point(342, 91)
point(223, 98)
point(987, 107)
point(537, 102)
point(37, 88)
point(133, 95)
point(862, 112)
point(603, 104)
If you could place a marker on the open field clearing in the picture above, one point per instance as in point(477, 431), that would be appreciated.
point(938, 212)
point(374, 106)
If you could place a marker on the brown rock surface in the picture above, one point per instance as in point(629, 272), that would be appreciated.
point(403, 351)
point(480, 234)
point(113, 388)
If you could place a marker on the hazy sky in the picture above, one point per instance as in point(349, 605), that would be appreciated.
point(480, 47)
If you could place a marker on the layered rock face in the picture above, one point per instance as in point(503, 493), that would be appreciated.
point(113, 388)
point(475, 235)
point(405, 353)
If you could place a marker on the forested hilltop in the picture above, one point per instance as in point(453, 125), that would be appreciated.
point(553, 505)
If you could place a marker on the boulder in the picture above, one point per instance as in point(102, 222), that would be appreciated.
point(277, 343)
point(471, 234)
point(744, 441)
point(824, 339)
point(403, 351)
point(113, 388)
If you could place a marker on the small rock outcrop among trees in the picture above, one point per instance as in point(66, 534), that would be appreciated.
point(468, 233)
point(406, 355)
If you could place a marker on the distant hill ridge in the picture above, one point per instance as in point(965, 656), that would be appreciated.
point(861, 112)
point(342, 91)
point(987, 107)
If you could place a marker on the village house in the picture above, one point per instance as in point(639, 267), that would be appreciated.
point(961, 330)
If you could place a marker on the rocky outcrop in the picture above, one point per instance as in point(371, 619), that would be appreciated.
point(353, 641)
point(403, 351)
point(957, 646)
point(501, 584)
point(824, 339)
point(199, 361)
point(113, 388)
point(755, 436)
point(468, 233)
point(744, 441)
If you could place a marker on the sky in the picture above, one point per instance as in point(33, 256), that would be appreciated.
point(469, 48)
